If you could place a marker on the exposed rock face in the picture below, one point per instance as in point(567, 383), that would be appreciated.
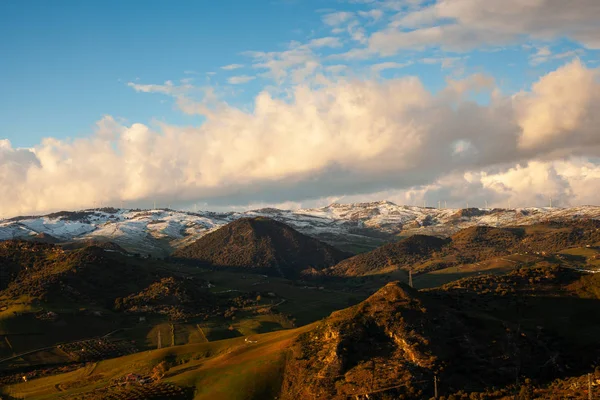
point(400, 339)
point(375, 344)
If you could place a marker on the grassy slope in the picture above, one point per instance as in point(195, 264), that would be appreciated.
point(25, 332)
point(231, 369)
point(494, 266)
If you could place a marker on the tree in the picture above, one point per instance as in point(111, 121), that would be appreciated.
point(118, 303)
point(526, 392)
point(159, 371)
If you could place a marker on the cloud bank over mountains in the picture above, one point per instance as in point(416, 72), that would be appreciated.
point(348, 137)
point(317, 132)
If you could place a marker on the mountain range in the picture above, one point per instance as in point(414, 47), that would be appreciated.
point(351, 227)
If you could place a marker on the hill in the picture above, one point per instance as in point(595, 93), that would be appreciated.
point(398, 342)
point(527, 333)
point(91, 275)
point(422, 254)
point(261, 245)
point(393, 255)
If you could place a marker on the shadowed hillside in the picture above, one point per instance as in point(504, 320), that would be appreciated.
point(405, 252)
point(91, 275)
point(423, 253)
point(261, 245)
point(529, 332)
point(475, 336)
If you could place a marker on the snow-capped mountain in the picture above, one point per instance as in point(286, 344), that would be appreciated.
point(351, 226)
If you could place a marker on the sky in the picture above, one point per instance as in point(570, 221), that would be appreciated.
point(239, 104)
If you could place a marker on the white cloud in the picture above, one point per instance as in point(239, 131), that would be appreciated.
point(375, 14)
point(561, 103)
point(167, 88)
point(344, 138)
point(337, 18)
point(298, 60)
point(445, 62)
point(336, 69)
point(544, 54)
point(231, 67)
point(184, 94)
point(237, 80)
point(389, 65)
point(461, 25)
point(325, 42)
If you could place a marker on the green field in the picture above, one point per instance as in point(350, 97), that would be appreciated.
point(283, 305)
point(232, 369)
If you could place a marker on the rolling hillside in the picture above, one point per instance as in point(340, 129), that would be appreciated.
point(390, 256)
point(422, 254)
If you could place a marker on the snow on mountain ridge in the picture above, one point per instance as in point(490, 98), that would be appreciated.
point(369, 224)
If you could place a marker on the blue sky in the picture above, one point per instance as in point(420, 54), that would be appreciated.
point(67, 62)
point(113, 72)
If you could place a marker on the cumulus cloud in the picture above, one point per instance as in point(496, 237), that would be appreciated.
point(532, 184)
point(461, 25)
point(563, 109)
point(346, 137)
